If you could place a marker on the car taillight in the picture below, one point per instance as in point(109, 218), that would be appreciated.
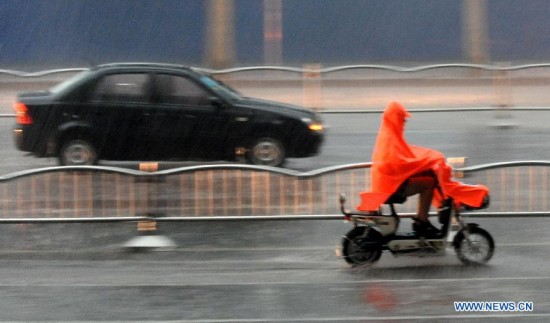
point(22, 115)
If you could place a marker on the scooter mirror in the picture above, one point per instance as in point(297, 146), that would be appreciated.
point(342, 198)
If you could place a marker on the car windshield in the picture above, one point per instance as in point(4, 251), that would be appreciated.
point(68, 82)
point(219, 87)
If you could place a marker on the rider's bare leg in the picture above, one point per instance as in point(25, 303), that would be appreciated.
point(423, 185)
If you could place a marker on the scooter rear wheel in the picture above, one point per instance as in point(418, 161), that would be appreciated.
point(477, 249)
point(362, 247)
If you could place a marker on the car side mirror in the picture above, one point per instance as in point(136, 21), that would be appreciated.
point(215, 101)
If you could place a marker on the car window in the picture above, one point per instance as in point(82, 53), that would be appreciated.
point(131, 87)
point(70, 82)
point(174, 89)
point(220, 87)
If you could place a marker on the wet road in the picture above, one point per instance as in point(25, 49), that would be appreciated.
point(481, 136)
point(270, 272)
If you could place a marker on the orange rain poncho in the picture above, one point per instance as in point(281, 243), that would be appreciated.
point(394, 161)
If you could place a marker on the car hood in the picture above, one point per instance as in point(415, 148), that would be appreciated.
point(277, 107)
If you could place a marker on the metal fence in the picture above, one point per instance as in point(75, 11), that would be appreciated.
point(312, 69)
point(235, 191)
point(329, 89)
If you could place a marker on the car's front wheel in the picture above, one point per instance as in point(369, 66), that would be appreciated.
point(267, 152)
point(77, 152)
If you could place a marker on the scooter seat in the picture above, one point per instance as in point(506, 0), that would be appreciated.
point(396, 198)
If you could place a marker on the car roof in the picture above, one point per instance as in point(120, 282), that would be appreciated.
point(144, 65)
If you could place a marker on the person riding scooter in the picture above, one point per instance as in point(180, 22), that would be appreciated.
point(402, 170)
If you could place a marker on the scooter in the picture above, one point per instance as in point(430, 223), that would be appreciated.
point(374, 232)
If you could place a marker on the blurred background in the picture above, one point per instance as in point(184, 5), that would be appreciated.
point(229, 33)
point(309, 35)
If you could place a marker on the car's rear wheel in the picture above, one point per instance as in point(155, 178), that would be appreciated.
point(77, 152)
point(267, 152)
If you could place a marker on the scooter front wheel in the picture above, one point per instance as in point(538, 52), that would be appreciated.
point(476, 249)
point(362, 246)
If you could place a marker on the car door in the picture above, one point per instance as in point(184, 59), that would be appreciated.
point(194, 121)
point(232, 125)
point(120, 110)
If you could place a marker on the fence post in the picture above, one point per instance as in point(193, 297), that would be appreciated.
point(502, 80)
point(148, 237)
point(311, 82)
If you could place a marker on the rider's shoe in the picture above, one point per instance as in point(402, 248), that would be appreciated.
point(425, 229)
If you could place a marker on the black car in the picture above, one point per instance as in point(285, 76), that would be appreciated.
point(134, 111)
